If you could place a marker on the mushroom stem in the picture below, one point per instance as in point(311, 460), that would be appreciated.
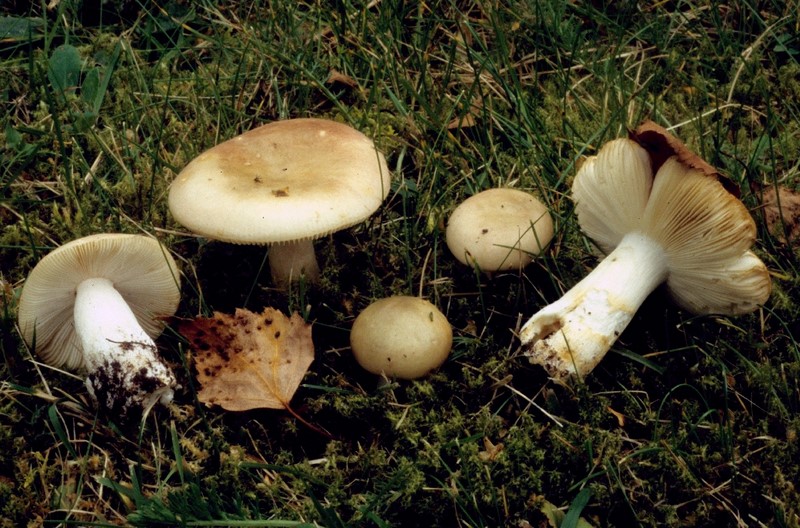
point(570, 336)
point(124, 370)
point(290, 260)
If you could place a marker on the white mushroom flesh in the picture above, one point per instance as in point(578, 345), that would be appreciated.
point(291, 260)
point(570, 336)
point(123, 367)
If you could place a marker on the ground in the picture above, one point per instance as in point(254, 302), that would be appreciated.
point(689, 420)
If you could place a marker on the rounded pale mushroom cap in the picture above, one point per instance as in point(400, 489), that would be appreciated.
point(499, 229)
point(401, 337)
point(281, 182)
point(141, 269)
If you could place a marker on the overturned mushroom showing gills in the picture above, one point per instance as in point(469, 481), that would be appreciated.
point(499, 229)
point(285, 184)
point(93, 305)
point(680, 227)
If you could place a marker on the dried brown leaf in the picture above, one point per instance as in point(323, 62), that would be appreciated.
point(466, 121)
point(249, 360)
point(335, 76)
point(782, 213)
point(470, 118)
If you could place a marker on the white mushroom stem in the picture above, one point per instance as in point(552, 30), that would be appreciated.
point(124, 370)
point(570, 336)
point(290, 260)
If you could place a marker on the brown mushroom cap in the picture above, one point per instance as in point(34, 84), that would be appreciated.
point(142, 271)
point(401, 336)
point(661, 145)
point(285, 181)
point(499, 229)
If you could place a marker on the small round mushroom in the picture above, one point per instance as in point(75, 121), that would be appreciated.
point(94, 305)
point(499, 229)
point(285, 184)
point(401, 337)
point(680, 227)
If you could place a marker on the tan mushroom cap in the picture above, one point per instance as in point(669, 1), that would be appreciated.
point(401, 337)
point(284, 181)
point(141, 269)
point(499, 229)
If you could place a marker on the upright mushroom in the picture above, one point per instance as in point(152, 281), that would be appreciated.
point(499, 229)
point(680, 227)
point(284, 183)
point(401, 337)
point(93, 305)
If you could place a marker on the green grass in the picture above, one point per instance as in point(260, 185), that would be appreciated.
point(689, 421)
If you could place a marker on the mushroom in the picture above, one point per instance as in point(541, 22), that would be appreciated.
point(94, 305)
point(499, 229)
point(401, 337)
point(284, 183)
point(680, 227)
